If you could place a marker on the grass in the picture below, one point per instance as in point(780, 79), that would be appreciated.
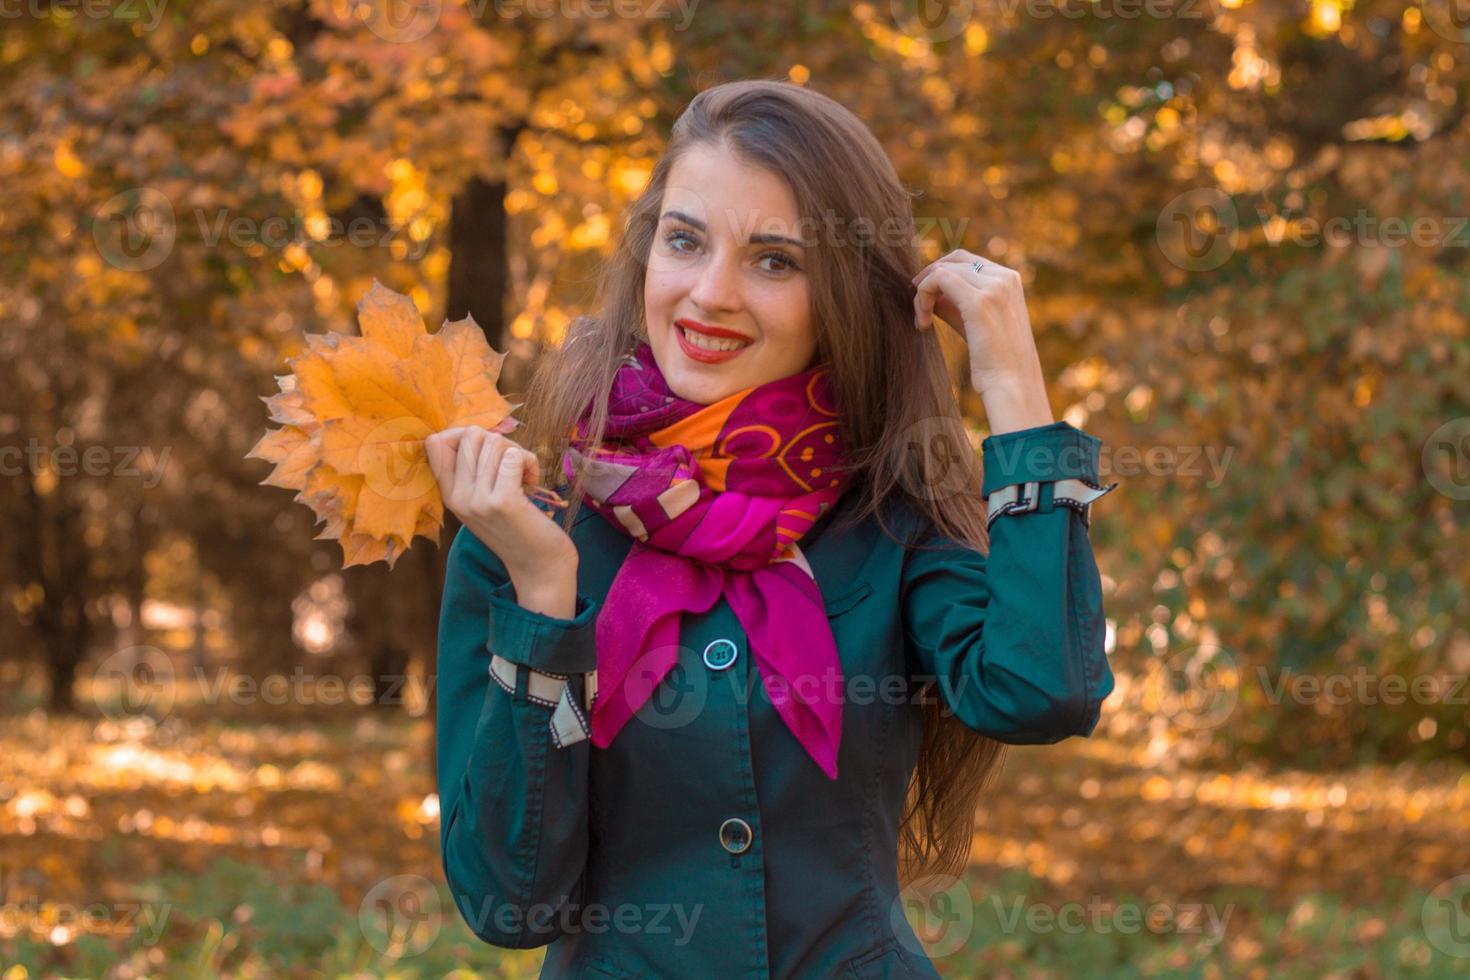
point(240, 920)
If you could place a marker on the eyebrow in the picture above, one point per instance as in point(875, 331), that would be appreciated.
point(763, 239)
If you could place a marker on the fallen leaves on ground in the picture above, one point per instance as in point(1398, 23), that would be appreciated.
point(346, 799)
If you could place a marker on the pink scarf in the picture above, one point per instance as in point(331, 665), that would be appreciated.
point(716, 497)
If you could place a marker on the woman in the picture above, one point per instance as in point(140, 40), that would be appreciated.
point(679, 730)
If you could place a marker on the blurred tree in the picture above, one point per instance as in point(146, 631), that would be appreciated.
point(339, 155)
point(1161, 175)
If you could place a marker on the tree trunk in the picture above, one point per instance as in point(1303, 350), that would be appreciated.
point(479, 274)
point(135, 581)
point(59, 564)
point(478, 267)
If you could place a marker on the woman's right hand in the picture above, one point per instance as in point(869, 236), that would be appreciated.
point(481, 477)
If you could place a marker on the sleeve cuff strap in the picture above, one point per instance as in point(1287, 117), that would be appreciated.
point(1023, 498)
point(541, 642)
point(1040, 454)
point(570, 722)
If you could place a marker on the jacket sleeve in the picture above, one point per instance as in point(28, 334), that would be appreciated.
point(513, 805)
point(1014, 640)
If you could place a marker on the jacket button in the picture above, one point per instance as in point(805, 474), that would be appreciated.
point(720, 654)
point(735, 835)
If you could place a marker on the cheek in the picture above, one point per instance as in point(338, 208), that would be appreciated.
point(787, 313)
point(652, 292)
point(661, 289)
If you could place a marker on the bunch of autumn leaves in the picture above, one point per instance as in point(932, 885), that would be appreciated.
point(354, 413)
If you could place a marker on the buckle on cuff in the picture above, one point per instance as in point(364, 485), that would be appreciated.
point(569, 721)
point(1021, 498)
point(1018, 498)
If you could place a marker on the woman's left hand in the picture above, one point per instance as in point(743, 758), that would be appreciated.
point(988, 308)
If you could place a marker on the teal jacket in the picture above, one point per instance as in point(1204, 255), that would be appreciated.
point(704, 841)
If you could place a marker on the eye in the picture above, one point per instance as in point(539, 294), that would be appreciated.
point(678, 235)
point(787, 263)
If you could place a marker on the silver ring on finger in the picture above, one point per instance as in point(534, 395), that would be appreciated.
point(977, 266)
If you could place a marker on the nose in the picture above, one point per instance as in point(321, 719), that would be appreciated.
point(717, 287)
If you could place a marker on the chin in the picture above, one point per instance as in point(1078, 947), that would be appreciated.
point(703, 384)
point(702, 389)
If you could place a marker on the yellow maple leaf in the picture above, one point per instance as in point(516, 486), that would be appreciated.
point(354, 413)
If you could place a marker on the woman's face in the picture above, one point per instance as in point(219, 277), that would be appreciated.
point(726, 258)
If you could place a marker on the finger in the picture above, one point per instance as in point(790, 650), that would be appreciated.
point(533, 468)
point(993, 270)
point(919, 313)
point(989, 270)
point(928, 294)
point(489, 464)
point(438, 457)
point(941, 294)
point(957, 255)
point(434, 448)
point(964, 262)
point(466, 473)
point(441, 448)
point(451, 437)
point(508, 481)
point(930, 267)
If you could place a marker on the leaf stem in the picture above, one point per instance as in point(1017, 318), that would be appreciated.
point(549, 497)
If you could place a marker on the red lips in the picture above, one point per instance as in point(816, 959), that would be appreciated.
point(699, 353)
point(705, 328)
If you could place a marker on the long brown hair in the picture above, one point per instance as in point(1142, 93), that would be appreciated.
point(893, 388)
